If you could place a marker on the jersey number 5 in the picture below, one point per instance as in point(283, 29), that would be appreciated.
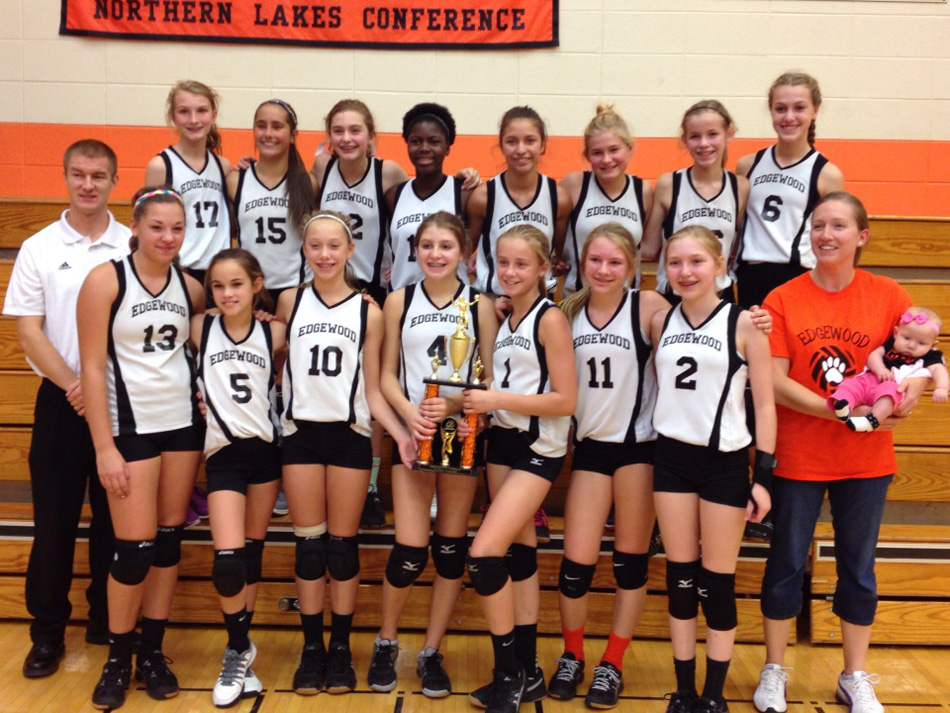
point(242, 392)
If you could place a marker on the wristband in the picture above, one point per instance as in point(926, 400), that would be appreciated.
point(762, 469)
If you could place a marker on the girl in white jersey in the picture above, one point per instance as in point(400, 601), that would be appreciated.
point(704, 348)
point(242, 457)
point(133, 318)
point(272, 197)
point(331, 386)
point(786, 181)
point(613, 456)
point(518, 196)
point(606, 193)
point(418, 318)
point(703, 194)
point(533, 394)
point(193, 167)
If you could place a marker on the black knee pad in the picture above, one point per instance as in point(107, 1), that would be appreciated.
point(168, 545)
point(253, 557)
point(717, 593)
point(405, 564)
point(132, 560)
point(681, 586)
point(229, 572)
point(343, 557)
point(630, 570)
point(448, 554)
point(488, 574)
point(310, 562)
point(521, 561)
point(574, 578)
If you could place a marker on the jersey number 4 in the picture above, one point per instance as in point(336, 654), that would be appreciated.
point(168, 332)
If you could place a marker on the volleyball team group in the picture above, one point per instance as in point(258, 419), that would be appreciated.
point(350, 275)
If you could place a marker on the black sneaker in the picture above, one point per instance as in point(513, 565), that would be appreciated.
point(681, 701)
point(569, 675)
point(605, 688)
point(113, 683)
point(760, 530)
point(382, 667)
point(534, 690)
point(341, 678)
point(435, 679)
point(311, 674)
point(152, 670)
point(373, 516)
point(708, 705)
point(506, 692)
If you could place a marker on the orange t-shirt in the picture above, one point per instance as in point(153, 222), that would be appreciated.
point(827, 336)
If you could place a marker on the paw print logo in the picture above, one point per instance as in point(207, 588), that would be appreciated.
point(829, 367)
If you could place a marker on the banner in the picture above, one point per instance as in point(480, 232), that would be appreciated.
point(393, 24)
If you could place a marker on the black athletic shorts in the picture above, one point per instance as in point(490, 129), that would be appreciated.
point(152, 445)
point(607, 458)
point(715, 476)
point(375, 291)
point(755, 280)
point(246, 461)
point(334, 443)
point(509, 446)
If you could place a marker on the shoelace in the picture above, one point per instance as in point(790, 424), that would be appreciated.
point(604, 679)
point(233, 667)
point(862, 689)
point(566, 670)
point(382, 653)
point(772, 680)
point(432, 664)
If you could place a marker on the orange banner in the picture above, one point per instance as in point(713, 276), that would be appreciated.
point(402, 24)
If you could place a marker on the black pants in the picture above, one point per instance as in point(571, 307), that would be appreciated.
point(755, 281)
point(62, 459)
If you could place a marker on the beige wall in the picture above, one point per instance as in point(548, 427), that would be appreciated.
point(884, 68)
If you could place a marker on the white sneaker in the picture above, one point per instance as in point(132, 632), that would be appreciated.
point(252, 685)
point(769, 695)
point(230, 684)
point(857, 692)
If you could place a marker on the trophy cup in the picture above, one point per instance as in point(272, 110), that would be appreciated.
point(459, 347)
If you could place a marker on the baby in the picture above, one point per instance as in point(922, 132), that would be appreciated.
point(910, 353)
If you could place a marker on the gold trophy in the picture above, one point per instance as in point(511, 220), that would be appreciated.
point(459, 347)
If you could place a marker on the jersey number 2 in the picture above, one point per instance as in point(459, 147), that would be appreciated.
point(682, 379)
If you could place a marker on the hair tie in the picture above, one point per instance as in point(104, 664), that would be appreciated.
point(919, 318)
point(286, 107)
point(158, 192)
point(342, 222)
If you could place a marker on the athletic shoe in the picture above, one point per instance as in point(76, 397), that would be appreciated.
point(192, 517)
point(199, 502)
point(252, 685)
point(506, 693)
point(435, 679)
point(681, 701)
point(280, 505)
point(857, 692)
point(541, 528)
point(152, 670)
point(842, 410)
point(534, 690)
point(708, 705)
point(760, 530)
point(373, 516)
point(311, 674)
point(382, 667)
point(341, 678)
point(113, 683)
point(605, 688)
point(230, 684)
point(568, 676)
point(769, 696)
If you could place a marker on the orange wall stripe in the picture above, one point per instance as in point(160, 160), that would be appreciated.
point(905, 178)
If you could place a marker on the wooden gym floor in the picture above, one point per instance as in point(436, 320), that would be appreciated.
point(913, 679)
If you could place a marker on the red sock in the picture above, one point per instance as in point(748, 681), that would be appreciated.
point(616, 648)
point(574, 642)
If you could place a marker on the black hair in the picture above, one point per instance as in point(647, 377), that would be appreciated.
point(429, 111)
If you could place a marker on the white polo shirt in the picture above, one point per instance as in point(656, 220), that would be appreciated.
point(50, 269)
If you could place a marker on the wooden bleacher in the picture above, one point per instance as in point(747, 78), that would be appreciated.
point(914, 570)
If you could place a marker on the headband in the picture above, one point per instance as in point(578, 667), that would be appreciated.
point(286, 107)
point(919, 318)
point(159, 192)
point(342, 222)
point(432, 117)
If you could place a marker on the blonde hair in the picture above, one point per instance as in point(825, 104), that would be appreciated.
point(607, 120)
point(342, 221)
point(202, 90)
point(619, 236)
point(800, 79)
point(537, 242)
point(702, 235)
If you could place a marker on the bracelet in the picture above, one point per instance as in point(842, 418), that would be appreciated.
point(762, 469)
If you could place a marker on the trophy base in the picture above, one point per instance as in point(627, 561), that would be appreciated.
point(439, 468)
point(456, 384)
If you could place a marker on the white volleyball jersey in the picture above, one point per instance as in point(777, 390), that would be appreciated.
point(701, 381)
point(207, 215)
point(237, 381)
point(502, 214)
point(423, 329)
point(616, 388)
point(323, 375)
point(365, 203)
point(777, 226)
point(409, 210)
point(150, 375)
point(519, 366)
point(266, 230)
point(595, 208)
point(720, 214)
